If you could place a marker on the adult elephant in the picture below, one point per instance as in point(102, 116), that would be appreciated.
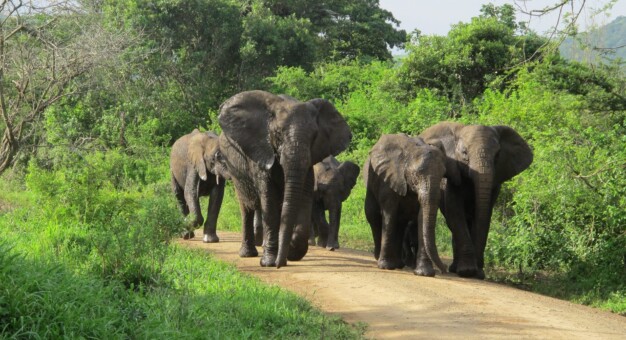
point(403, 176)
point(485, 157)
point(269, 144)
point(194, 174)
point(333, 182)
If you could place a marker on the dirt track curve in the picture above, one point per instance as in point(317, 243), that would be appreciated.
point(397, 304)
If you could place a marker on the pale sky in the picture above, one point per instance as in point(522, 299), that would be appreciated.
point(435, 17)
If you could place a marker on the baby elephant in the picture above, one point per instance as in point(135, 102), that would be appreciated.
point(333, 183)
point(402, 177)
point(195, 173)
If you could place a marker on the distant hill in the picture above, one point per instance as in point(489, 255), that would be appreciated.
point(589, 46)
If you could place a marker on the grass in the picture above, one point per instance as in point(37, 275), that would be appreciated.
point(48, 289)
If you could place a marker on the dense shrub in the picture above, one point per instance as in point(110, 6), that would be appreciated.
point(571, 199)
point(117, 210)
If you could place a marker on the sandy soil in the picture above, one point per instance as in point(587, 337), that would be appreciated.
point(397, 304)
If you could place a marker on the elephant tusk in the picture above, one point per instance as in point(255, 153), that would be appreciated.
point(217, 179)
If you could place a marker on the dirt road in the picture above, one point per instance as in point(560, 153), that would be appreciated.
point(397, 304)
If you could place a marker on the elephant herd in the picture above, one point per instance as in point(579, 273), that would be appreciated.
point(279, 154)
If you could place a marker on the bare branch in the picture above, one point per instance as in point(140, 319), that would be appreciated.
point(37, 70)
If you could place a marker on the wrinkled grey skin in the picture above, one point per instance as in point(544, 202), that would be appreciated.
point(194, 174)
point(402, 177)
point(333, 182)
point(269, 145)
point(485, 157)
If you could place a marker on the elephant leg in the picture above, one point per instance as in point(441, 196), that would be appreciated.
point(270, 213)
point(258, 228)
point(180, 197)
point(319, 226)
point(314, 230)
point(409, 243)
point(215, 203)
point(192, 199)
point(464, 256)
point(375, 220)
point(247, 243)
point(424, 265)
point(334, 214)
point(390, 241)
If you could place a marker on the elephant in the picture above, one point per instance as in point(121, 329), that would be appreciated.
point(195, 173)
point(269, 144)
point(333, 182)
point(402, 177)
point(484, 158)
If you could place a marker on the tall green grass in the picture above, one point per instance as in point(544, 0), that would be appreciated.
point(85, 254)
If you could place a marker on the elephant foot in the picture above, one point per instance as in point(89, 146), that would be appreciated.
point(312, 241)
point(480, 274)
point(268, 260)
point(248, 251)
point(424, 268)
point(187, 235)
point(452, 267)
point(332, 245)
point(466, 269)
point(210, 238)
point(321, 242)
point(390, 264)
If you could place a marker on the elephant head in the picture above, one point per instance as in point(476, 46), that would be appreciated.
point(409, 165)
point(202, 152)
point(484, 158)
point(336, 177)
point(272, 131)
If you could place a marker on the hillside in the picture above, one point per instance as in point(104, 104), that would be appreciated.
point(596, 44)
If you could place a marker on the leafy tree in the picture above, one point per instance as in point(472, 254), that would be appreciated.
point(269, 41)
point(464, 63)
point(346, 28)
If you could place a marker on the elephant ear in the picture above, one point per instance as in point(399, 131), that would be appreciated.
point(333, 134)
point(195, 153)
point(388, 159)
point(515, 155)
point(244, 119)
point(443, 136)
point(349, 171)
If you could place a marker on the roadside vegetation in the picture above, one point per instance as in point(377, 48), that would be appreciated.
point(93, 97)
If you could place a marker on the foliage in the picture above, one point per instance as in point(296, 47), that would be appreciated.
point(46, 57)
point(47, 298)
point(345, 29)
point(95, 153)
point(461, 65)
point(87, 254)
point(571, 198)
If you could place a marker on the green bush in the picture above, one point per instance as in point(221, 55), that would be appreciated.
point(112, 217)
point(571, 199)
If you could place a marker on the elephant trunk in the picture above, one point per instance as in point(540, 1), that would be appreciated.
point(296, 212)
point(483, 199)
point(429, 204)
